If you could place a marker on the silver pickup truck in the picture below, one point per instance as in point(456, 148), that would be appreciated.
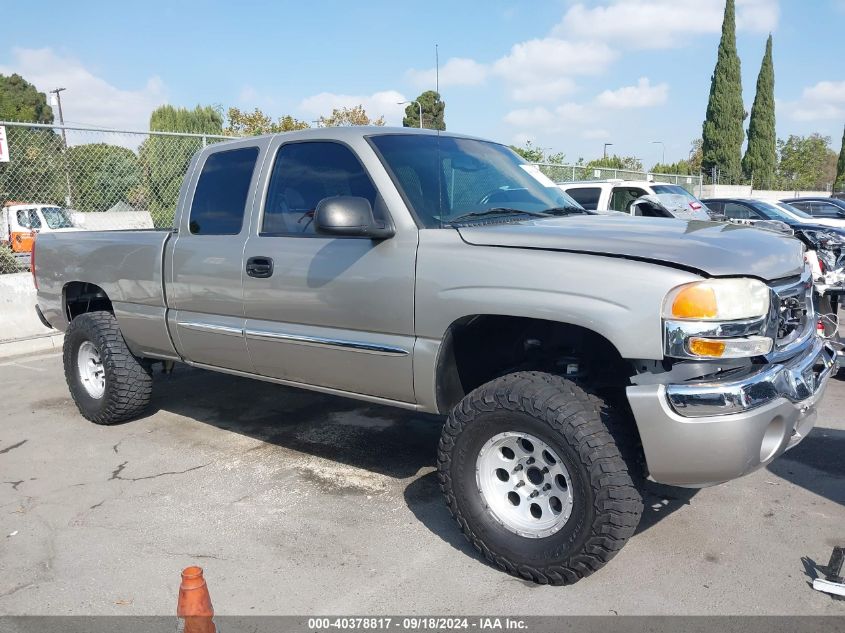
point(574, 354)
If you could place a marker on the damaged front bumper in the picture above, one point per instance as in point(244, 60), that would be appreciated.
point(701, 432)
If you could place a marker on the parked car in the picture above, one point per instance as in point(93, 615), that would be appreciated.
point(619, 195)
point(753, 209)
point(573, 354)
point(819, 207)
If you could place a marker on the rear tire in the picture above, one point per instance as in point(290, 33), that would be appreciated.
point(554, 524)
point(107, 382)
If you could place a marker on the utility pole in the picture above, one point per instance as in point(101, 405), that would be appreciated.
point(606, 145)
point(58, 93)
point(662, 160)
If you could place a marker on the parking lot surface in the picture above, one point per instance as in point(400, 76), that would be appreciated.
point(300, 503)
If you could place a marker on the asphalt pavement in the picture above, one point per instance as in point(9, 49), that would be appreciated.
point(300, 503)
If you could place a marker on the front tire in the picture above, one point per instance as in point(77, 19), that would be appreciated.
point(107, 383)
point(531, 468)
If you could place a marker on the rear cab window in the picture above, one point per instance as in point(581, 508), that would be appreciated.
point(222, 192)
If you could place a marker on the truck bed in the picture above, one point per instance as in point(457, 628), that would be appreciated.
point(125, 265)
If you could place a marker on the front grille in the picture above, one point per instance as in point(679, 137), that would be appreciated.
point(793, 311)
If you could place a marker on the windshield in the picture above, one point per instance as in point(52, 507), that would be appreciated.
point(782, 207)
point(56, 218)
point(443, 178)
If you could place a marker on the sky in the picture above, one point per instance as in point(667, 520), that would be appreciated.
point(567, 75)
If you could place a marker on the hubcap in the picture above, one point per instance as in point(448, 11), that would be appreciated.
point(91, 372)
point(525, 484)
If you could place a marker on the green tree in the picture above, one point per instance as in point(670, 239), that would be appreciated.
point(534, 154)
point(433, 111)
point(101, 175)
point(722, 132)
point(341, 117)
point(21, 101)
point(164, 159)
point(34, 172)
point(839, 184)
point(254, 123)
point(629, 163)
point(805, 162)
point(760, 162)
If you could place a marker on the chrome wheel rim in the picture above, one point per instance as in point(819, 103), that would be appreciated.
point(92, 375)
point(524, 483)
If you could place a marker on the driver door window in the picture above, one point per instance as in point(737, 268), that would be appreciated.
point(304, 174)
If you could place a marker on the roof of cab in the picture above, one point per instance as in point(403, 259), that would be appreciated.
point(347, 133)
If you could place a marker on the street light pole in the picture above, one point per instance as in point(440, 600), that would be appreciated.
point(663, 159)
point(606, 145)
point(419, 105)
point(58, 93)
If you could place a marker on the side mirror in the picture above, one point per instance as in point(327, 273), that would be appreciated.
point(349, 216)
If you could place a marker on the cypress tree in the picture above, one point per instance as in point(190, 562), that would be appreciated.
point(722, 133)
point(839, 185)
point(760, 159)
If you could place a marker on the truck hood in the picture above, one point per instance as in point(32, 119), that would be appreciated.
point(713, 248)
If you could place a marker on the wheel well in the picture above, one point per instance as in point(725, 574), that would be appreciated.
point(81, 297)
point(479, 348)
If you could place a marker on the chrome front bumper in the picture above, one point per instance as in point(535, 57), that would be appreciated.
point(799, 380)
point(701, 433)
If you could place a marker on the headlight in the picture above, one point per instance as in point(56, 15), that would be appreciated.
point(718, 300)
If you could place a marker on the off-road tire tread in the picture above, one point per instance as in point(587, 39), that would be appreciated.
point(601, 440)
point(129, 382)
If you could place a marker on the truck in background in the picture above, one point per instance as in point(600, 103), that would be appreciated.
point(20, 222)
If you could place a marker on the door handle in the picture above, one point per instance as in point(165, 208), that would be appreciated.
point(259, 267)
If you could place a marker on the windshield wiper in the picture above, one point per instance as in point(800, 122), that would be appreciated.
point(495, 211)
point(566, 211)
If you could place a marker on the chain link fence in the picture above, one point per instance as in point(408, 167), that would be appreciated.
point(74, 178)
point(577, 173)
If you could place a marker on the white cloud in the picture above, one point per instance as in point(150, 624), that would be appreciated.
point(653, 24)
point(89, 99)
point(542, 69)
point(543, 90)
point(384, 103)
point(550, 58)
point(537, 117)
point(823, 102)
point(643, 95)
point(564, 116)
point(583, 118)
point(458, 71)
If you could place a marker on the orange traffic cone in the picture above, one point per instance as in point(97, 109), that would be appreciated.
point(194, 605)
